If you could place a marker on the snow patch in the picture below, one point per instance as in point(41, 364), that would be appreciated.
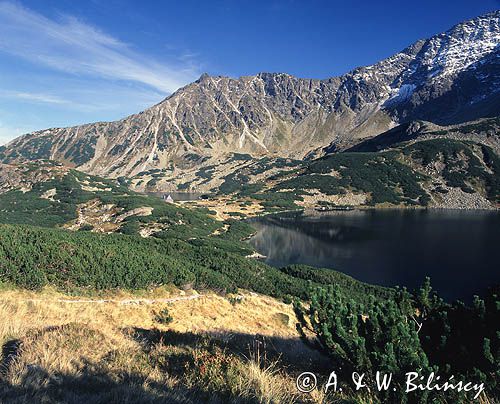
point(400, 94)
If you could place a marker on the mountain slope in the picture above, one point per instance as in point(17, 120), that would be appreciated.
point(51, 195)
point(485, 131)
point(440, 170)
point(449, 78)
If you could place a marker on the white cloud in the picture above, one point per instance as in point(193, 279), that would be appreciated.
point(34, 97)
point(75, 47)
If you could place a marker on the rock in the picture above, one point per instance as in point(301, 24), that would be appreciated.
point(448, 78)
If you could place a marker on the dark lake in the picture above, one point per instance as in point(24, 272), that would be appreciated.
point(459, 250)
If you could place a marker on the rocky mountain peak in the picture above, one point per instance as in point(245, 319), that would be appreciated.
point(461, 46)
point(448, 78)
point(204, 77)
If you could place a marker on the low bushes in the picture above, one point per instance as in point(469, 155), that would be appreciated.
point(32, 257)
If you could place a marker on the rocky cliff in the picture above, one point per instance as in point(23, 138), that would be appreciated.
point(447, 79)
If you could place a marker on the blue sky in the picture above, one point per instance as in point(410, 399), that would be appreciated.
point(67, 62)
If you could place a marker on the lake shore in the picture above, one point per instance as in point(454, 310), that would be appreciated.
point(388, 247)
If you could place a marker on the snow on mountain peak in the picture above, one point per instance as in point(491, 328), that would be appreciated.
point(461, 46)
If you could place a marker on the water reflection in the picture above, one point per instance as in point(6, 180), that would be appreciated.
point(458, 249)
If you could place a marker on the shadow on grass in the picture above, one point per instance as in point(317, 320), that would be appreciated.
point(93, 382)
point(37, 385)
point(176, 355)
point(291, 353)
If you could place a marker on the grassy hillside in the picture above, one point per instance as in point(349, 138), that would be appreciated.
point(53, 200)
point(465, 165)
point(158, 344)
point(420, 174)
point(182, 246)
point(67, 232)
point(438, 172)
point(239, 349)
point(64, 198)
point(383, 177)
point(32, 257)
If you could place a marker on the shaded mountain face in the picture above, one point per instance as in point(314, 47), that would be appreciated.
point(450, 78)
point(485, 131)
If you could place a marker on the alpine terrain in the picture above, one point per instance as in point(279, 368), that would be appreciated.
point(448, 79)
point(117, 288)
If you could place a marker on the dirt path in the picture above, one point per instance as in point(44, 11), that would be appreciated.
point(120, 301)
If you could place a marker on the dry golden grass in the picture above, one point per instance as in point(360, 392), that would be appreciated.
point(253, 314)
point(59, 348)
point(224, 206)
point(72, 349)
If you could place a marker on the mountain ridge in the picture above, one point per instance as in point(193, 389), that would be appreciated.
point(449, 77)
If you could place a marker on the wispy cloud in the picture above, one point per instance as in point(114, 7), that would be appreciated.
point(34, 97)
point(70, 45)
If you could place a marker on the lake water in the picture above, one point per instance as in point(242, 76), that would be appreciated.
point(459, 250)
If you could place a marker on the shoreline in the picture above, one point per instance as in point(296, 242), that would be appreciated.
point(313, 212)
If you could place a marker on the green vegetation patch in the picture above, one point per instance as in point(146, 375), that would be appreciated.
point(378, 174)
point(462, 163)
point(407, 333)
point(33, 257)
point(17, 207)
point(29, 208)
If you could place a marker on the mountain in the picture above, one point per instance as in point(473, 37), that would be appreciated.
point(448, 168)
point(485, 131)
point(448, 79)
point(49, 194)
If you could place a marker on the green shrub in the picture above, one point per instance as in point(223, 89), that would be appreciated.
point(33, 257)
point(407, 333)
point(163, 317)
